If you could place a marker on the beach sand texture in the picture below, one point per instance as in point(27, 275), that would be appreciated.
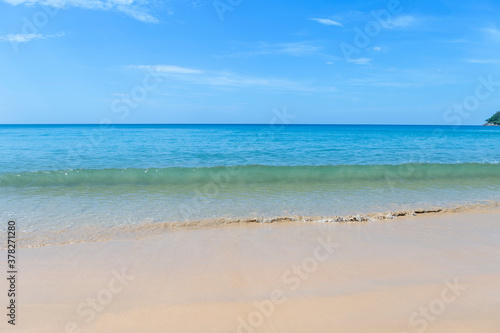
point(430, 273)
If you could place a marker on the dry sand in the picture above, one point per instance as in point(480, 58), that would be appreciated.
point(432, 273)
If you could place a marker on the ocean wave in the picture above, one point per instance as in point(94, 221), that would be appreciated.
point(249, 174)
point(147, 229)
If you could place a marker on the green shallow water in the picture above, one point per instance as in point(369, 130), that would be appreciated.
point(251, 174)
point(56, 177)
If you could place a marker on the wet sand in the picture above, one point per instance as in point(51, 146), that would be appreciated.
point(430, 273)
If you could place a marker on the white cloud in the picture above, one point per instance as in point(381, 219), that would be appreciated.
point(221, 79)
point(168, 69)
point(453, 41)
point(137, 13)
point(327, 22)
point(361, 61)
point(377, 48)
point(483, 61)
point(24, 38)
point(295, 49)
point(493, 33)
point(404, 78)
point(134, 8)
point(403, 21)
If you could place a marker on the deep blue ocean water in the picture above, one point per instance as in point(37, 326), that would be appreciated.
point(52, 147)
point(54, 176)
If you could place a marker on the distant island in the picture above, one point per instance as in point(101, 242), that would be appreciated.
point(494, 120)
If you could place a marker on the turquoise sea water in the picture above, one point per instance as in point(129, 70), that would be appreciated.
point(81, 175)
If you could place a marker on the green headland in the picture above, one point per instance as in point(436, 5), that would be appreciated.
point(494, 120)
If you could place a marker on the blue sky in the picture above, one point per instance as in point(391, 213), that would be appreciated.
point(235, 61)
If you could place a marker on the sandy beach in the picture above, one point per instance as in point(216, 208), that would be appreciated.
point(249, 166)
point(430, 273)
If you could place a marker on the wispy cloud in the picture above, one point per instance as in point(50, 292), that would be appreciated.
point(327, 21)
point(134, 8)
point(453, 41)
point(358, 17)
point(295, 49)
point(25, 38)
point(403, 78)
point(361, 61)
point(224, 79)
point(492, 33)
point(483, 61)
point(403, 21)
point(168, 69)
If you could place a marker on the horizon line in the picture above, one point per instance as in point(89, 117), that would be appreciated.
point(228, 124)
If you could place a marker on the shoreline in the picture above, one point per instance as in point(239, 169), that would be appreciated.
point(150, 229)
point(295, 276)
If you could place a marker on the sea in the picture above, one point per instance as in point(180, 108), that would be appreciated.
point(90, 179)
